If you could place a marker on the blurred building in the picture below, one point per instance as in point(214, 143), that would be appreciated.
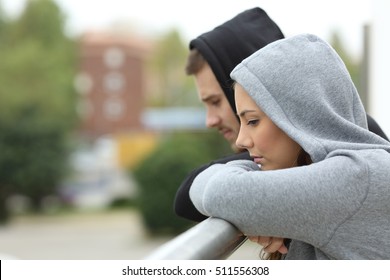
point(96, 180)
point(111, 83)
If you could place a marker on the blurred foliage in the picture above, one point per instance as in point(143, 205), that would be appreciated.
point(352, 65)
point(160, 175)
point(169, 85)
point(37, 99)
point(2, 23)
point(33, 153)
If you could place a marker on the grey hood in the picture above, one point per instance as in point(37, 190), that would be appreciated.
point(304, 72)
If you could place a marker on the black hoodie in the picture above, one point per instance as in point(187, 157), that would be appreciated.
point(229, 43)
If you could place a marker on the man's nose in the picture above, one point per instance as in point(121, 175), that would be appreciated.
point(212, 120)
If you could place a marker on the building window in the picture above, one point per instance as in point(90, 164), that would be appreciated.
point(114, 57)
point(83, 83)
point(113, 109)
point(114, 82)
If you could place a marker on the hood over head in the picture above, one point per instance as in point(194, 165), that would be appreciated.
point(229, 43)
point(304, 87)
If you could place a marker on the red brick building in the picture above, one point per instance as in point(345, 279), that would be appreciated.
point(111, 83)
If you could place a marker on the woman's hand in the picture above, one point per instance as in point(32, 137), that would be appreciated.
point(270, 244)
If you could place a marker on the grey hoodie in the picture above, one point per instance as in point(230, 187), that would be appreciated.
point(339, 206)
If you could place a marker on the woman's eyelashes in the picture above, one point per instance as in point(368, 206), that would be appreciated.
point(252, 122)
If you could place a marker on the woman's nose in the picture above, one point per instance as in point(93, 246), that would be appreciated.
point(243, 141)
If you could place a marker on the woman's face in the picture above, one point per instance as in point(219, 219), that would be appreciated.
point(269, 146)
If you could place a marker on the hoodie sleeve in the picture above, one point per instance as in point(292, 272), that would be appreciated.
point(183, 206)
point(305, 203)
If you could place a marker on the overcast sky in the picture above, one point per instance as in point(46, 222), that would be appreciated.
point(192, 18)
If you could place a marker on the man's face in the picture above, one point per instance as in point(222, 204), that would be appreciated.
point(219, 113)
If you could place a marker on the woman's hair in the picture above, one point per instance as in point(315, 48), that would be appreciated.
point(303, 159)
point(195, 62)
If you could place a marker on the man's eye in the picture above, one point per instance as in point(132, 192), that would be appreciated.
point(215, 102)
point(252, 122)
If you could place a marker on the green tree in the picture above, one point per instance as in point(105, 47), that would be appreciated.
point(42, 20)
point(160, 175)
point(33, 155)
point(170, 85)
point(37, 100)
point(2, 24)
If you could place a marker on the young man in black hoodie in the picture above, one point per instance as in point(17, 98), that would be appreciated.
point(213, 55)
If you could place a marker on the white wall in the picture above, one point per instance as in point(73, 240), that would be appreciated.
point(380, 64)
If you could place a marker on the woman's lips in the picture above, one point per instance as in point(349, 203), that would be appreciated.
point(258, 160)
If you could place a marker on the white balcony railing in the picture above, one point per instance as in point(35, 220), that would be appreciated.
point(212, 239)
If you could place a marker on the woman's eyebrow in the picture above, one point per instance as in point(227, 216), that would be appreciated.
point(246, 111)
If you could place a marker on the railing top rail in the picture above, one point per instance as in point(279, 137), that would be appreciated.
point(211, 239)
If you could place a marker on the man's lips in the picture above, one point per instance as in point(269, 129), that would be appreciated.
point(226, 132)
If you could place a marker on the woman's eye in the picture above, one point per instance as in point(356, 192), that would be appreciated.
point(252, 122)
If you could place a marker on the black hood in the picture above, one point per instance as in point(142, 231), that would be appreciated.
point(228, 44)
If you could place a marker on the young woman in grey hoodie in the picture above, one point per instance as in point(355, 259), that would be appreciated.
point(318, 177)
